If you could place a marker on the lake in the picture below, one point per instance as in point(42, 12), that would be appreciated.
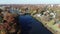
point(29, 25)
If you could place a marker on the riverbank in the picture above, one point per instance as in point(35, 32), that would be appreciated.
point(49, 25)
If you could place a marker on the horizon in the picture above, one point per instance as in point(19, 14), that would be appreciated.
point(30, 2)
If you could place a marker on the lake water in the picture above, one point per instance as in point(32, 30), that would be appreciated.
point(32, 26)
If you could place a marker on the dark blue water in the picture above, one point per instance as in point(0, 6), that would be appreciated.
point(29, 25)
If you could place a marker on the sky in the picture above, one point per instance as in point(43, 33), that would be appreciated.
point(29, 1)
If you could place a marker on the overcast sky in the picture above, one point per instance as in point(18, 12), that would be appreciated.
point(29, 1)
